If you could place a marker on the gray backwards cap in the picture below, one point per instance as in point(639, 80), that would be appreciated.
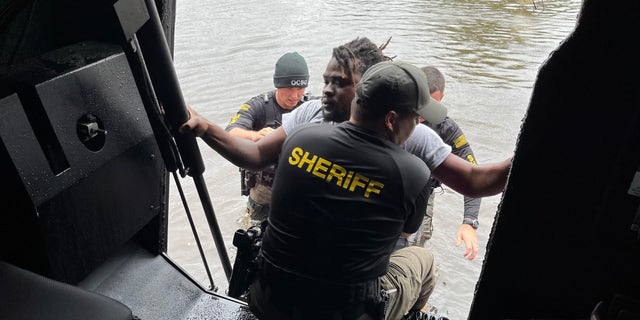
point(291, 71)
point(400, 85)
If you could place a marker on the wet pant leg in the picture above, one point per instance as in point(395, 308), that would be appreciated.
point(410, 281)
point(420, 237)
point(427, 223)
point(258, 206)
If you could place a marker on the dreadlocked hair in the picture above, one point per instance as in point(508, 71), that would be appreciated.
point(359, 54)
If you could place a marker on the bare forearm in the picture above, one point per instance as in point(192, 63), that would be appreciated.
point(490, 179)
point(473, 181)
point(241, 152)
point(244, 134)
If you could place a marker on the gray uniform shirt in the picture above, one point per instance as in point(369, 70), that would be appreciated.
point(452, 135)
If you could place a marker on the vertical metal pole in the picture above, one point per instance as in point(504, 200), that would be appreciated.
point(159, 62)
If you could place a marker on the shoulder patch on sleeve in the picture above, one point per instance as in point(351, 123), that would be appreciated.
point(245, 106)
point(460, 141)
point(234, 119)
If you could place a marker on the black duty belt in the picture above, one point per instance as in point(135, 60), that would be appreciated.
point(307, 290)
point(296, 304)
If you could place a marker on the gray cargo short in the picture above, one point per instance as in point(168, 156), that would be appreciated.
point(409, 281)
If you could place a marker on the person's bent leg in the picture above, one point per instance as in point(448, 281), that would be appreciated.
point(258, 206)
point(409, 281)
point(427, 224)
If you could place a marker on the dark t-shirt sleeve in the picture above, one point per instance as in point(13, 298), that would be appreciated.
point(452, 135)
point(250, 115)
point(415, 220)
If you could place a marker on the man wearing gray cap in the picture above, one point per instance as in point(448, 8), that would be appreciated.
point(336, 214)
point(258, 117)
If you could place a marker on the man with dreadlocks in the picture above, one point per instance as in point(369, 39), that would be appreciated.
point(345, 69)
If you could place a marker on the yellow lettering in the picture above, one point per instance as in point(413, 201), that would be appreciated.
point(235, 118)
point(471, 159)
point(373, 187)
point(328, 171)
point(308, 161)
point(321, 167)
point(295, 156)
point(358, 181)
point(338, 172)
point(345, 184)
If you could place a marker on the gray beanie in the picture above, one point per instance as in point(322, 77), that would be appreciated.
point(291, 71)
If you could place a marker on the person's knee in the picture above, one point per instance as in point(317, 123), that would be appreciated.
point(420, 254)
point(424, 263)
point(418, 260)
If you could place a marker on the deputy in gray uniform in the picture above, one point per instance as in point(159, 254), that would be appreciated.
point(452, 135)
point(258, 117)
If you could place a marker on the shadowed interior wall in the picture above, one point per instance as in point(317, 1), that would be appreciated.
point(562, 238)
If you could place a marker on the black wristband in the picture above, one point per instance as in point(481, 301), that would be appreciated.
point(472, 222)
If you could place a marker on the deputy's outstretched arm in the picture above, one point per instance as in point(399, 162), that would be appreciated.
point(241, 152)
point(473, 181)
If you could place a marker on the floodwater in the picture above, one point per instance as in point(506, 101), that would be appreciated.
point(488, 50)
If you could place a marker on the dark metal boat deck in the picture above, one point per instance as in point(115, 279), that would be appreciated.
point(154, 288)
